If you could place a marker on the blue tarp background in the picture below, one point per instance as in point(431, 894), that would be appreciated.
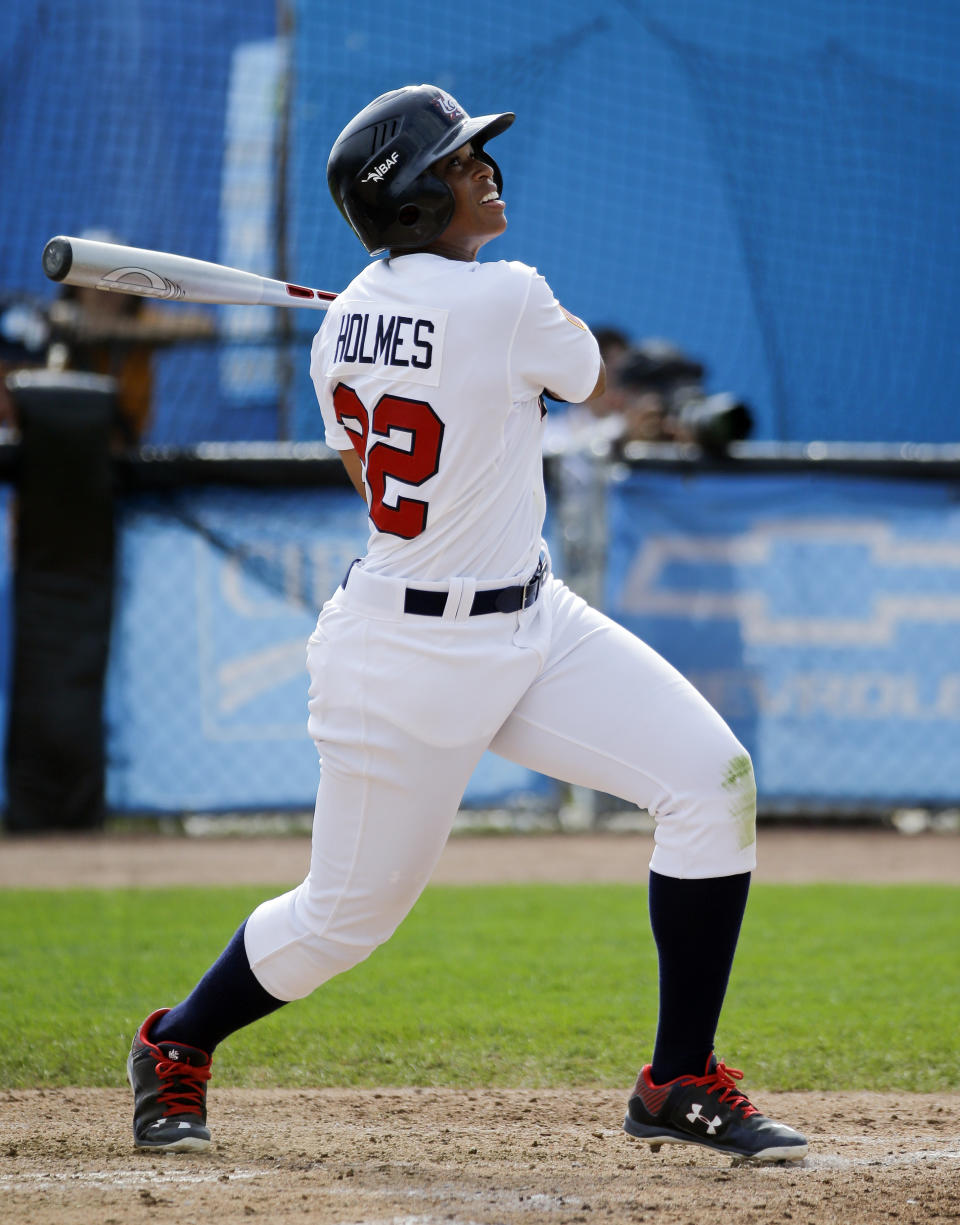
point(774, 187)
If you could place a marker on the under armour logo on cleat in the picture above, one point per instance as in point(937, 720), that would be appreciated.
point(174, 1054)
point(696, 1117)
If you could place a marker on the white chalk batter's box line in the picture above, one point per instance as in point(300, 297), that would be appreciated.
point(133, 1177)
point(107, 1179)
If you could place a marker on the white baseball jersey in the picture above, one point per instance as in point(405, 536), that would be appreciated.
point(432, 369)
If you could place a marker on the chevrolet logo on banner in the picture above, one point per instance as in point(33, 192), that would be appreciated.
point(924, 570)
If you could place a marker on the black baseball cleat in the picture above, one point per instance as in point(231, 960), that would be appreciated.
point(169, 1083)
point(709, 1110)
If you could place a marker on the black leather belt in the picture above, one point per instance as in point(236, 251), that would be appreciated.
point(501, 599)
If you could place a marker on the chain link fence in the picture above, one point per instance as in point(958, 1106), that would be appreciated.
point(812, 595)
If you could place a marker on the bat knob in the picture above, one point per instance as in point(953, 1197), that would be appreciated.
point(57, 258)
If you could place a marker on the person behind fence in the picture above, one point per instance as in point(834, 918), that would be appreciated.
point(452, 636)
point(662, 399)
point(118, 334)
point(97, 332)
point(596, 425)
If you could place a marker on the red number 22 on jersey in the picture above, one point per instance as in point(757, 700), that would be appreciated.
point(411, 465)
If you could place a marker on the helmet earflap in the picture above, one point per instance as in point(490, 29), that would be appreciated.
point(409, 215)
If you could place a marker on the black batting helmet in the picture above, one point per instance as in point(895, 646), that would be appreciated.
point(379, 168)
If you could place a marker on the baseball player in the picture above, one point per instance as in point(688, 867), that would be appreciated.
point(452, 636)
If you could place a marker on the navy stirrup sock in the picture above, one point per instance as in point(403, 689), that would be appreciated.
point(696, 925)
point(224, 1000)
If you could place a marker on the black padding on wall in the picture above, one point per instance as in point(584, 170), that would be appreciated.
point(63, 587)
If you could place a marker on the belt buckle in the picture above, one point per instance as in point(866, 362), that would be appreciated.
point(534, 582)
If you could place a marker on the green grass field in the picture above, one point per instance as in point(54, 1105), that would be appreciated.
point(835, 987)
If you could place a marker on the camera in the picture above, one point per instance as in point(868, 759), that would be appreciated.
point(713, 422)
point(689, 414)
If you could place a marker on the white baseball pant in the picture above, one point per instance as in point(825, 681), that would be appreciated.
point(403, 706)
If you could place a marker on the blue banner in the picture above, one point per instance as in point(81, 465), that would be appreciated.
point(207, 693)
point(820, 615)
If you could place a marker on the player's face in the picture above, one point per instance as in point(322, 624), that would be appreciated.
point(478, 213)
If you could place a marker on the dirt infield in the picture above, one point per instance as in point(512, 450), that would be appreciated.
point(409, 1157)
point(786, 854)
point(428, 1156)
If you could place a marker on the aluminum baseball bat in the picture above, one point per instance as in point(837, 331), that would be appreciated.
point(161, 274)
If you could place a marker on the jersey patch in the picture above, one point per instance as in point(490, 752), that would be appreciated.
point(572, 318)
point(399, 347)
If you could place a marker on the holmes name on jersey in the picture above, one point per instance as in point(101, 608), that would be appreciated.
point(384, 340)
